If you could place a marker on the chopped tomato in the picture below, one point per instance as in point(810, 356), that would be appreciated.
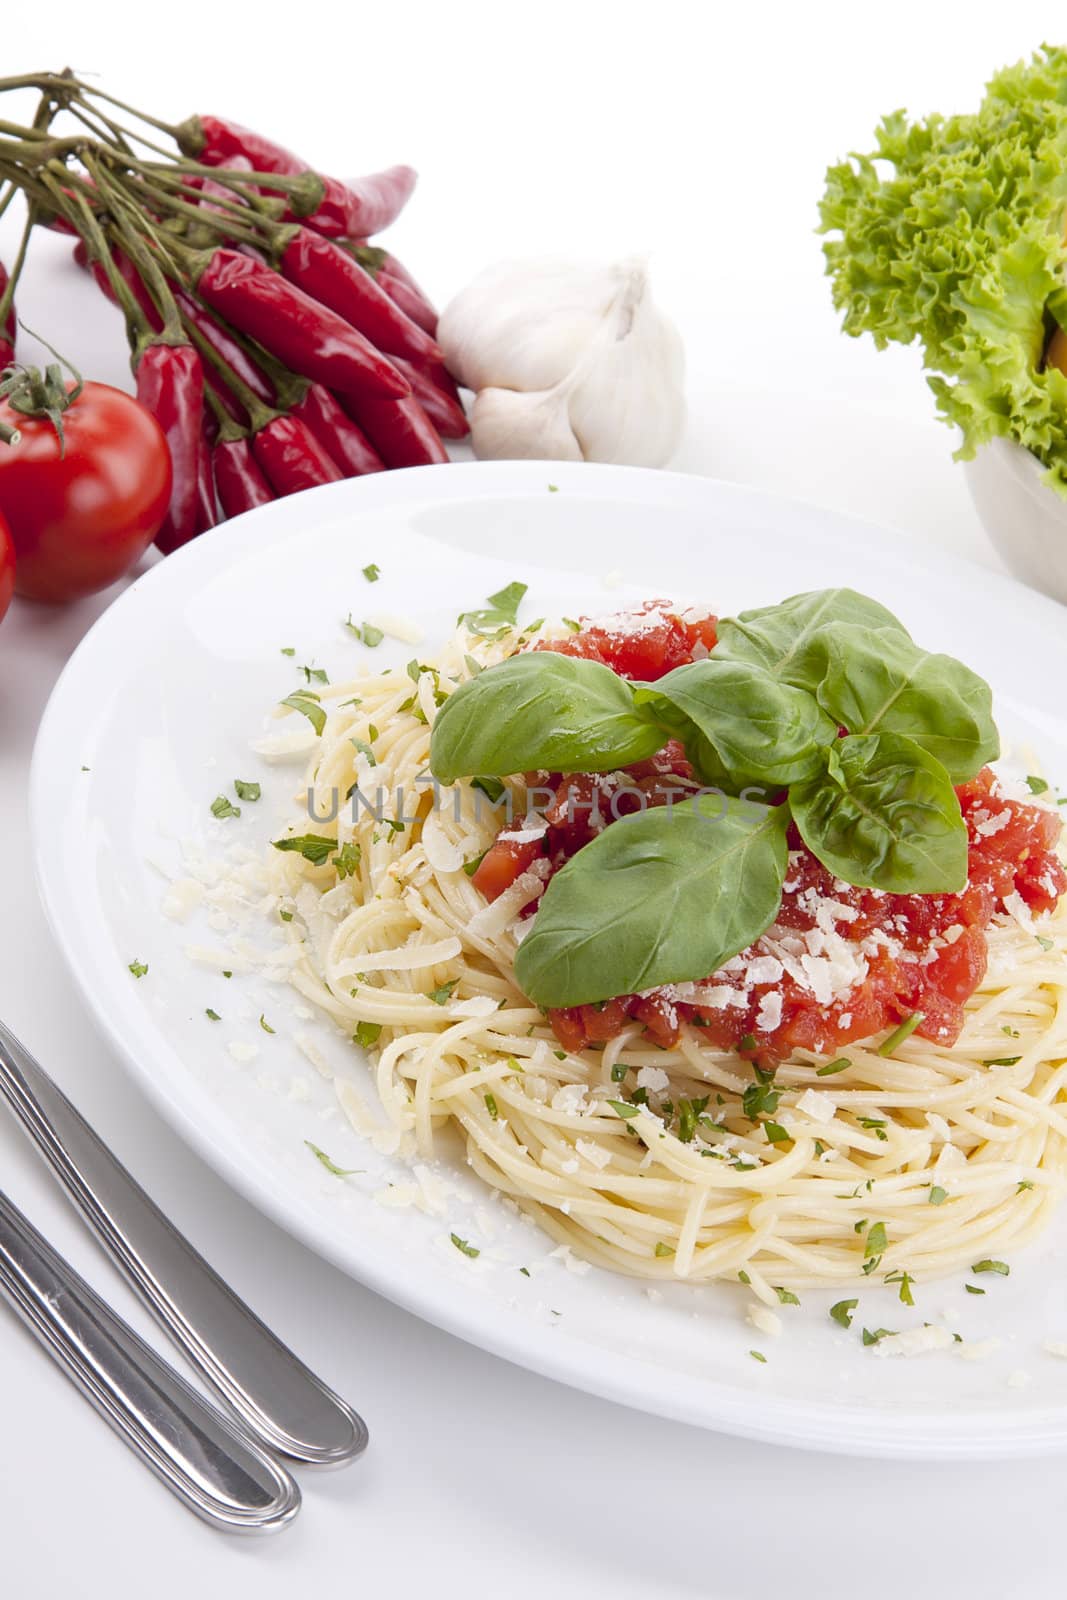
point(502, 863)
point(643, 644)
point(909, 953)
point(920, 953)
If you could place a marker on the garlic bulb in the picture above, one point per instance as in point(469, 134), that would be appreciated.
point(568, 363)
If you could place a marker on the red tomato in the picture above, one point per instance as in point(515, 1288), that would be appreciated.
point(7, 566)
point(644, 643)
point(81, 518)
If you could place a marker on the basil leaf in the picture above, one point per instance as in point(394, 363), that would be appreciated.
point(879, 681)
point(784, 639)
point(540, 710)
point(884, 815)
point(760, 729)
point(665, 896)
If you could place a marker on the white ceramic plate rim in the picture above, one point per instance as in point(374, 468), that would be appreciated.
point(610, 1374)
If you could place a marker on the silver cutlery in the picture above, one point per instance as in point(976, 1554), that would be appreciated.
point(274, 1393)
point(202, 1457)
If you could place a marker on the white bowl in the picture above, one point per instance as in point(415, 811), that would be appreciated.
point(1026, 520)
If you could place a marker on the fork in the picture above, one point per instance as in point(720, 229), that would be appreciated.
point(275, 1395)
point(201, 1456)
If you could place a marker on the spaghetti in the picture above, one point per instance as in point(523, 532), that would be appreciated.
point(917, 1162)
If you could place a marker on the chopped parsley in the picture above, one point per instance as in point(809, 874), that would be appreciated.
point(625, 1111)
point(775, 1132)
point(308, 705)
point(372, 572)
point(842, 1312)
point(443, 995)
point(899, 1035)
point(323, 1158)
point(288, 650)
point(465, 1248)
point(905, 1281)
point(876, 1240)
point(760, 1097)
point(937, 1195)
point(1003, 1061)
point(833, 1066)
point(1024, 1183)
point(213, 1016)
point(972, 1288)
point(265, 1025)
point(245, 790)
point(553, 488)
point(688, 1112)
point(312, 846)
point(286, 916)
point(222, 807)
point(743, 1277)
point(365, 750)
point(877, 1335)
point(575, 627)
point(618, 1072)
point(786, 1297)
point(999, 1267)
point(875, 1125)
point(757, 1355)
point(663, 1249)
point(365, 632)
point(314, 674)
point(138, 968)
point(499, 615)
point(1046, 944)
point(367, 1033)
point(1037, 785)
point(470, 867)
point(491, 1106)
point(347, 859)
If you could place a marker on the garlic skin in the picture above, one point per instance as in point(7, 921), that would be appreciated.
point(569, 363)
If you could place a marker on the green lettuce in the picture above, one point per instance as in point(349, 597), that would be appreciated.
point(951, 232)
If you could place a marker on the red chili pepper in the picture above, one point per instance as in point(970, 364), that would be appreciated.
point(352, 210)
point(399, 430)
point(446, 413)
point(291, 457)
point(337, 433)
point(231, 352)
point(7, 335)
point(218, 143)
point(207, 505)
point(324, 271)
point(308, 337)
point(400, 286)
point(129, 273)
point(361, 206)
point(240, 483)
point(170, 384)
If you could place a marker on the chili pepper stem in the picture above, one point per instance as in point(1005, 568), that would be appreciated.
point(7, 299)
point(258, 413)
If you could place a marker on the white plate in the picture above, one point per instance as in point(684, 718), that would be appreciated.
point(160, 702)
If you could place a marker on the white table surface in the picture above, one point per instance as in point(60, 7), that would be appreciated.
point(699, 133)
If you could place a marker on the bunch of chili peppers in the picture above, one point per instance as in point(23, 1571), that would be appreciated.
point(275, 344)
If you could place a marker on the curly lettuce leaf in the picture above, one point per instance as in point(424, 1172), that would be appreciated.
point(951, 232)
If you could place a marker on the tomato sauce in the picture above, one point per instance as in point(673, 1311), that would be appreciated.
point(841, 963)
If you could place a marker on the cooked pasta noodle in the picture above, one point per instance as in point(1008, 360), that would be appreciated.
point(959, 1153)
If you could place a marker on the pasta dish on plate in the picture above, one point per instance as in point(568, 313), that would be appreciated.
point(720, 941)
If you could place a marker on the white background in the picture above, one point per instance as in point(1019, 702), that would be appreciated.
point(698, 133)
